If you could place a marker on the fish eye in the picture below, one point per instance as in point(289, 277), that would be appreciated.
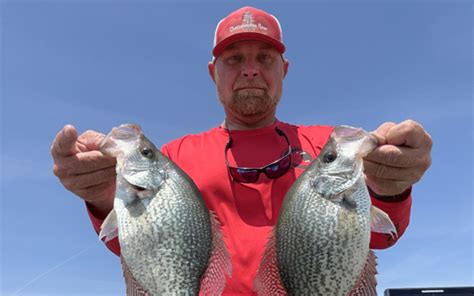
point(147, 152)
point(329, 157)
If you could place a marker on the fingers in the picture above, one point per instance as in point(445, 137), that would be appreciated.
point(91, 139)
point(399, 156)
point(395, 174)
point(82, 169)
point(381, 132)
point(84, 162)
point(400, 160)
point(386, 186)
point(80, 183)
point(64, 142)
point(409, 133)
point(100, 195)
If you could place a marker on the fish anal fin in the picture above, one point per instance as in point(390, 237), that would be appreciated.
point(268, 281)
point(220, 265)
point(133, 288)
point(366, 284)
point(380, 222)
point(109, 228)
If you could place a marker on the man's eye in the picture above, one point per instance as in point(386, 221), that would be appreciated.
point(233, 59)
point(265, 58)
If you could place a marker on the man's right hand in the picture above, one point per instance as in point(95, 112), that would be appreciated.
point(83, 169)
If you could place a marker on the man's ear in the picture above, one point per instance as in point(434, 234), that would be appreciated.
point(211, 67)
point(286, 64)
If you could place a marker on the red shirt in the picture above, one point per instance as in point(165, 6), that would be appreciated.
point(247, 212)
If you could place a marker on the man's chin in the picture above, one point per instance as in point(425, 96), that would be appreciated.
point(252, 103)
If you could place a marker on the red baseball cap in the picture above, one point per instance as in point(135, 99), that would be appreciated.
point(248, 23)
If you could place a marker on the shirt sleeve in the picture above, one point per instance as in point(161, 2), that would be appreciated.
point(399, 213)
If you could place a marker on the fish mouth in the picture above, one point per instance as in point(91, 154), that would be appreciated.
point(120, 138)
point(362, 141)
point(141, 192)
point(137, 188)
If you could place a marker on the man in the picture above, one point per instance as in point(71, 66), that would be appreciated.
point(248, 69)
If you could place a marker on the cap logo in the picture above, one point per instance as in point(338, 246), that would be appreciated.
point(248, 24)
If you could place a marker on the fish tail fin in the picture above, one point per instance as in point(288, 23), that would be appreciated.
point(268, 281)
point(220, 265)
point(366, 284)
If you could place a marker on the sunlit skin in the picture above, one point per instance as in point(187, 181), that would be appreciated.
point(249, 80)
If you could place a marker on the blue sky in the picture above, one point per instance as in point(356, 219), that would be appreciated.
point(96, 64)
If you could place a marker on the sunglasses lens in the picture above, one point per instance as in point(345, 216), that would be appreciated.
point(244, 175)
point(279, 168)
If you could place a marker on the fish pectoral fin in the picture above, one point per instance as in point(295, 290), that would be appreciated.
point(366, 284)
point(380, 222)
point(109, 228)
point(220, 265)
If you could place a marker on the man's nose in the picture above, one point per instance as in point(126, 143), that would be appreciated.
point(250, 70)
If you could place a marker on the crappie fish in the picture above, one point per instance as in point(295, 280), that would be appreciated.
point(320, 245)
point(170, 243)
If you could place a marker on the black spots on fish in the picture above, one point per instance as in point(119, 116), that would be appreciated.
point(147, 152)
point(135, 207)
point(329, 156)
point(348, 201)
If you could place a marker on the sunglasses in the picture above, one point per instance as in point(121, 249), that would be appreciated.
point(273, 170)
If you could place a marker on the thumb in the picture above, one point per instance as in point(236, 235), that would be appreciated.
point(64, 143)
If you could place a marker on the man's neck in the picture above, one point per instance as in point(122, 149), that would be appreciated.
point(243, 125)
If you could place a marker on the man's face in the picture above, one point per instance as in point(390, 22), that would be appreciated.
point(249, 76)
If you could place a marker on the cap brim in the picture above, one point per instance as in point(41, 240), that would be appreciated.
point(219, 48)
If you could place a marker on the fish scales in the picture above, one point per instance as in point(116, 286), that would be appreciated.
point(170, 243)
point(318, 252)
point(180, 247)
point(320, 244)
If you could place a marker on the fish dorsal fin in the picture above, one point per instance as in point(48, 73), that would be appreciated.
point(214, 279)
point(365, 286)
point(380, 222)
point(109, 228)
point(268, 281)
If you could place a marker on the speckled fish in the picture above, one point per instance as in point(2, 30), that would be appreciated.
point(320, 245)
point(170, 243)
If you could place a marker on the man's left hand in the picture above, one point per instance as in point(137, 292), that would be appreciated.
point(401, 158)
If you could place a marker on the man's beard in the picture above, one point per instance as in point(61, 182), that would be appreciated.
point(252, 102)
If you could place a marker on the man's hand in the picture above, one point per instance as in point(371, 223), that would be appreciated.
point(84, 170)
point(400, 160)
